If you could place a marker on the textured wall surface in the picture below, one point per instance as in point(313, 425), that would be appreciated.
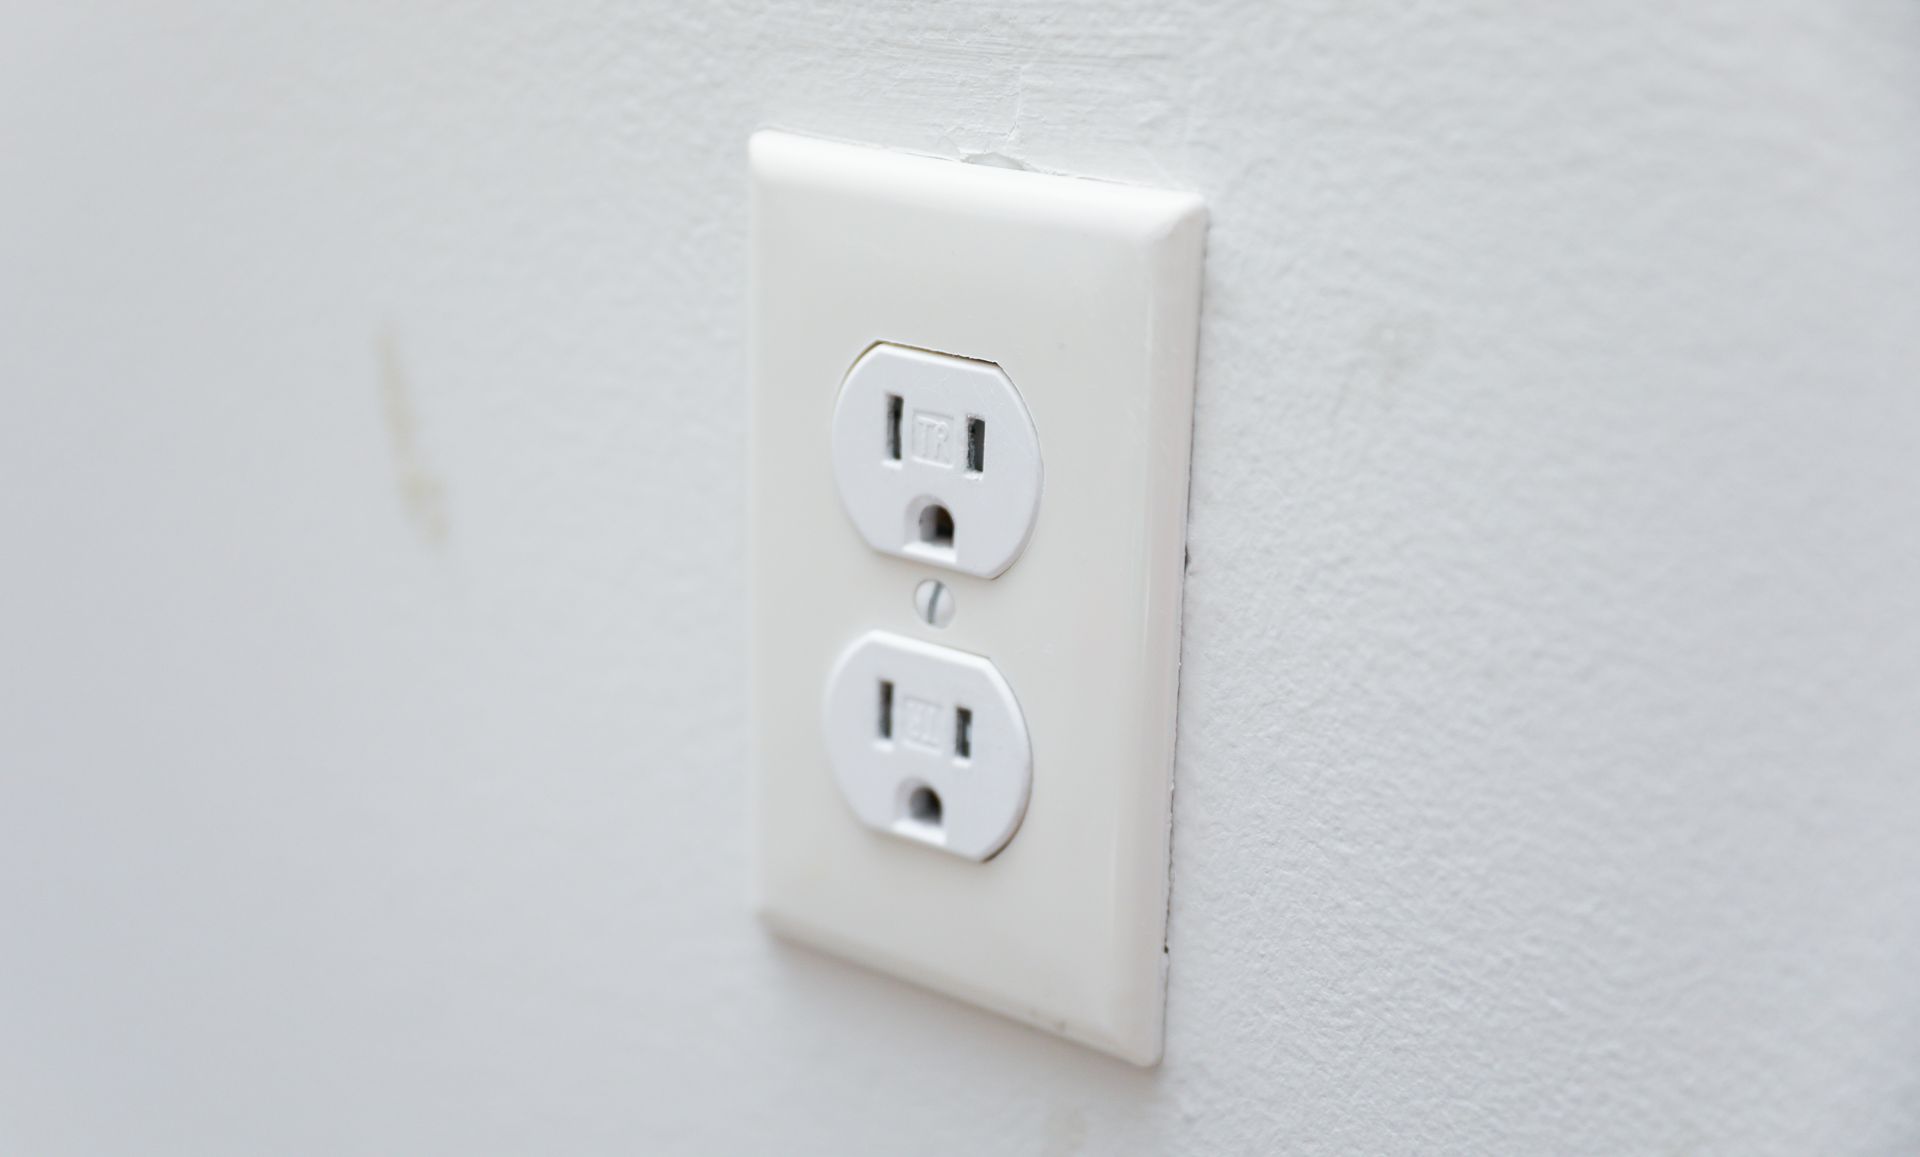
point(372, 770)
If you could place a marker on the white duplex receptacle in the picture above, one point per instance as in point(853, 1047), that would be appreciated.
point(965, 651)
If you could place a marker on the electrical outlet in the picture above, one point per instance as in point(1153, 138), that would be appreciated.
point(928, 743)
point(965, 651)
point(910, 455)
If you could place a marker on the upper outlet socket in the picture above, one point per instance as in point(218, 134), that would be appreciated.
point(936, 459)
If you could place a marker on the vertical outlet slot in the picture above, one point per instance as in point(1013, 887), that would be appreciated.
point(976, 445)
point(893, 427)
point(886, 709)
point(962, 733)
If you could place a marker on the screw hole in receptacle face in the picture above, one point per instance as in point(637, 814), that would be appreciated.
point(936, 526)
point(923, 806)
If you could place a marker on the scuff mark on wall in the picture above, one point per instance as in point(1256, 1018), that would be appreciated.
point(423, 496)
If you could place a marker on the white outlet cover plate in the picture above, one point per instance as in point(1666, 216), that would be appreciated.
point(1087, 295)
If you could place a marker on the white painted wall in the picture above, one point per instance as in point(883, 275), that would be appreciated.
point(371, 585)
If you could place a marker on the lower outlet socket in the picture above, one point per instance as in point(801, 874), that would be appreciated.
point(928, 744)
